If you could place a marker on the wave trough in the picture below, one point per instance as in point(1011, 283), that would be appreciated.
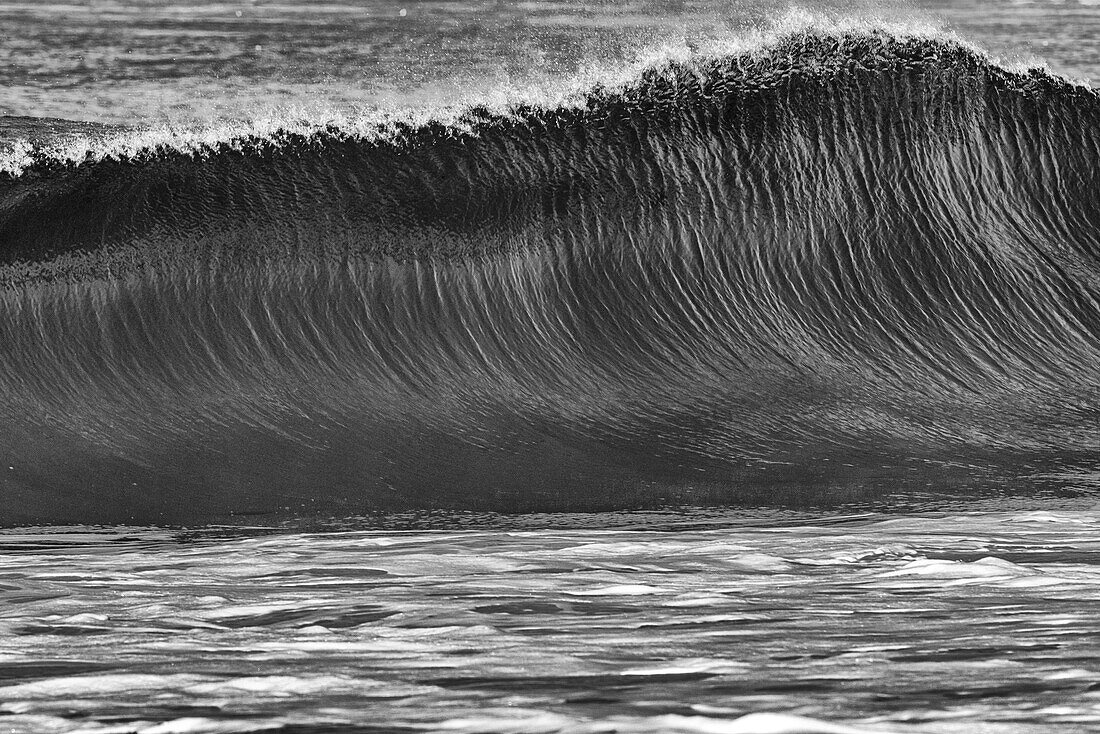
point(847, 264)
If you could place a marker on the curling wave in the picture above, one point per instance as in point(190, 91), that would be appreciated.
point(846, 264)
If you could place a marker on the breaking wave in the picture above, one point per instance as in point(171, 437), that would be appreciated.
point(843, 264)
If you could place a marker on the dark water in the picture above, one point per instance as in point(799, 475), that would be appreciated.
point(842, 263)
point(537, 367)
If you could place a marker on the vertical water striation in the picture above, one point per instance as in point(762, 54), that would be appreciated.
point(841, 262)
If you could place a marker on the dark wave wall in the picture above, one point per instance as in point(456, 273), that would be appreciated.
point(839, 267)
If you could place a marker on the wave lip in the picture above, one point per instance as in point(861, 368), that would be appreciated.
point(843, 262)
point(47, 143)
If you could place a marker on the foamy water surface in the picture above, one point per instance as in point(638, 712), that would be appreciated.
point(977, 621)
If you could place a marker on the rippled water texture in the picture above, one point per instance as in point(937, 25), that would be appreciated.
point(164, 61)
point(980, 621)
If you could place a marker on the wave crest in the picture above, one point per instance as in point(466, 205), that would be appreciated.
point(849, 256)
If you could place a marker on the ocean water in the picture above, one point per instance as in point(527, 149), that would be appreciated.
point(651, 622)
point(549, 367)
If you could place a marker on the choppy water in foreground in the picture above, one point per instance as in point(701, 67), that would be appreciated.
point(979, 621)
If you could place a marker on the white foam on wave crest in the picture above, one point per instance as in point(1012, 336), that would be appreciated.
point(503, 100)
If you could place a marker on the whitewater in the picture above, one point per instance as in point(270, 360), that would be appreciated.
point(537, 367)
point(652, 622)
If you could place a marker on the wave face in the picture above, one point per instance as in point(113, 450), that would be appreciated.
point(844, 265)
